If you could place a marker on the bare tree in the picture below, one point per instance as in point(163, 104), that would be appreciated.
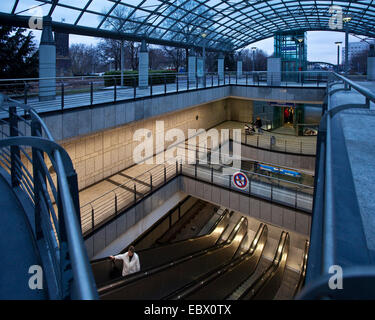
point(85, 59)
point(188, 22)
point(112, 48)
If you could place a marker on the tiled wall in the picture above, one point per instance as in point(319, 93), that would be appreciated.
point(104, 153)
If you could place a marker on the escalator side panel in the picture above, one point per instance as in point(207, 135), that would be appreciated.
point(104, 271)
point(160, 284)
point(225, 284)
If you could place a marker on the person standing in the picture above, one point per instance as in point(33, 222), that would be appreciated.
point(258, 124)
point(130, 260)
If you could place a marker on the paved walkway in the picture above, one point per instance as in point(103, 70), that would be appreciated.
point(103, 94)
point(18, 249)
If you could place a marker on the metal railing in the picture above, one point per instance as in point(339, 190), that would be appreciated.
point(326, 238)
point(106, 207)
point(27, 149)
point(279, 142)
point(79, 91)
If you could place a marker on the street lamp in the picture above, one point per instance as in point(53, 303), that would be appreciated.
point(300, 42)
point(338, 43)
point(253, 49)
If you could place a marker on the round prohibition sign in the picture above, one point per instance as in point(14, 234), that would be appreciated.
point(240, 180)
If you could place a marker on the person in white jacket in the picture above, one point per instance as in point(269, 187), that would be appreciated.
point(130, 261)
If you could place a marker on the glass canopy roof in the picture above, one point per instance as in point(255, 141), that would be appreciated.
point(220, 25)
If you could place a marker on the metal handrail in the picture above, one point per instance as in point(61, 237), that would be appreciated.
point(325, 225)
point(84, 285)
point(362, 90)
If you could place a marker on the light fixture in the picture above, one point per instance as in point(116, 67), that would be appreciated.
point(346, 19)
point(338, 43)
point(253, 48)
point(204, 35)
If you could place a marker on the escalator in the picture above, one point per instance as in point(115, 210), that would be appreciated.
point(219, 284)
point(302, 276)
point(161, 283)
point(107, 272)
point(267, 285)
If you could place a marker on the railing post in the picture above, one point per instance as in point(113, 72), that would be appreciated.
point(250, 179)
point(135, 194)
point(257, 141)
point(92, 219)
point(150, 182)
point(15, 154)
point(176, 168)
point(73, 187)
point(247, 75)
point(134, 88)
point(165, 174)
point(151, 85)
point(114, 91)
point(195, 170)
point(25, 92)
point(224, 78)
point(196, 81)
point(230, 182)
point(115, 203)
point(212, 175)
point(62, 95)
point(37, 168)
point(91, 93)
point(66, 273)
point(177, 83)
point(212, 80)
point(165, 84)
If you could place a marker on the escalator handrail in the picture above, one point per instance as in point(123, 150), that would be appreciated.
point(143, 274)
point(222, 219)
point(268, 274)
point(222, 216)
point(302, 276)
point(212, 275)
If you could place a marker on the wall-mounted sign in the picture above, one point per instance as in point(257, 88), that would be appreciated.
point(240, 181)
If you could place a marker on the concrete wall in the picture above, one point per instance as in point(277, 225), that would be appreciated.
point(240, 110)
point(279, 158)
point(134, 219)
point(104, 153)
point(81, 121)
point(259, 209)
point(292, 94)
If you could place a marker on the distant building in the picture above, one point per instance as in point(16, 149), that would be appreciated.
point(356, 48)
point(63, 62)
